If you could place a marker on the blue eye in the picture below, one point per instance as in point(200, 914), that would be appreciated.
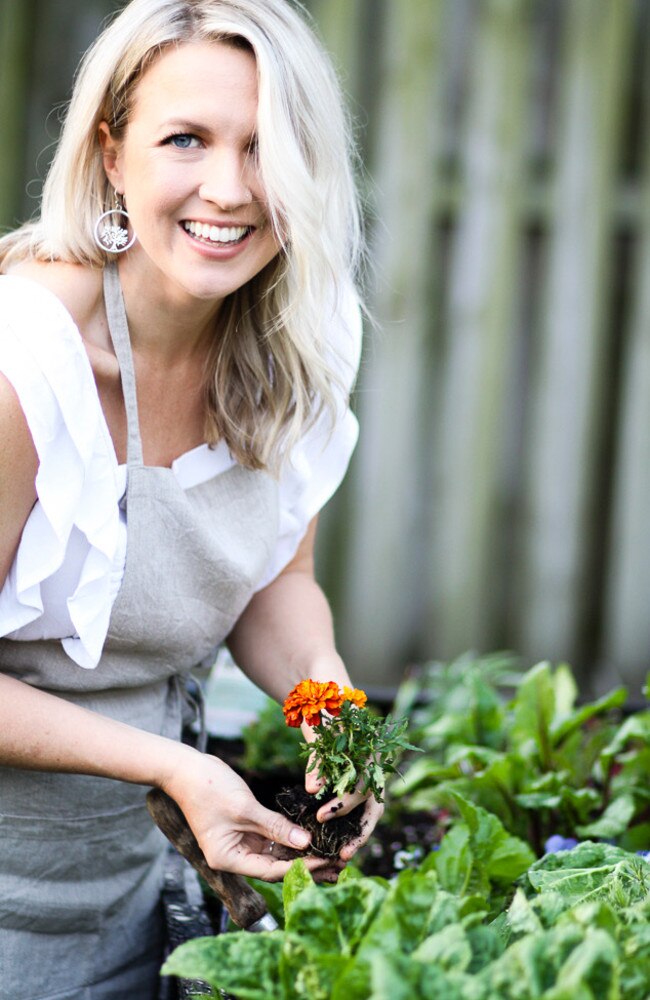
point(181, 140)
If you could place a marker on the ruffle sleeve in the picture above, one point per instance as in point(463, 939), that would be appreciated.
point(77, 485)
point(319, 461)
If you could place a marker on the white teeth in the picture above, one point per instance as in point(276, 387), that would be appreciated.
point(216, 234)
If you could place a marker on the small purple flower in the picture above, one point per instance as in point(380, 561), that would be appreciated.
point(557, 843)
point(645, 855)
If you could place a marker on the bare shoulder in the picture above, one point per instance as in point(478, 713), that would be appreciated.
point(77, 286)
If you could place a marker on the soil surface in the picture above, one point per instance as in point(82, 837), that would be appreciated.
point(328, 838)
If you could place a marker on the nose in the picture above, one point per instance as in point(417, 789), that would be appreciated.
point(226, 182)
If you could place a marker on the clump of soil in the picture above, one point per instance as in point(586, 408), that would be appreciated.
point(328, 838)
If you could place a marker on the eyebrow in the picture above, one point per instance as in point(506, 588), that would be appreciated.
point(185, 124)
point(190, 126)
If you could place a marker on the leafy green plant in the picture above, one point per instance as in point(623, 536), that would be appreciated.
point(543, 764)
point(480, 918)
point(577, 927)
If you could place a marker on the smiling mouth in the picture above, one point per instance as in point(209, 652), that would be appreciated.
point(224, 236)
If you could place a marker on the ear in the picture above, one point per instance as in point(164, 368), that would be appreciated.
point(111, 156)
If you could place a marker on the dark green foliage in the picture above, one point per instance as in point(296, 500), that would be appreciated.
point(542, 764)
point(577, 928)
point(269, 744)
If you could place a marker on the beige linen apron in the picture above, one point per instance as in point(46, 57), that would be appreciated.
point(80, 862)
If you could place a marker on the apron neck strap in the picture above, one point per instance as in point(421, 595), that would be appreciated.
point(119, 331)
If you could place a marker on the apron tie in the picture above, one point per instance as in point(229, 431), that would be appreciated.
point(188, 693)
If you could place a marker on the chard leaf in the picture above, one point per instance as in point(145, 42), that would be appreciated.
point(502, 857)
point(565, 692)
point(304, 974)
point(562, 727)
point(414, 908)
point(313, 921)
point(522, 917)
point(593, 964)
point(395, 978)
point(593, 871)
point(636, 729)
point(636, 838)
point(454, 861)
point(448, 949)
point(613, 821)
point(533, 712)
point(296, 881)
point(487, 945)
point(356, 902)
point(240, 963)
point(538, 967)
point(421, 772)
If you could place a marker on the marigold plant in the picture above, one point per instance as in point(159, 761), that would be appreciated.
point(353, 748)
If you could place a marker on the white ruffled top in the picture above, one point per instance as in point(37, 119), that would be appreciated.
point(70, 560)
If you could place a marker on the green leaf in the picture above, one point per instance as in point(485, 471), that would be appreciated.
point(240, 963)
point(356, 902)
point(503, 857)
point(533, 710)
point(313, 919)
point(306, 974)
point(454, 860)
point(448, 949)
point(613, 821)
point(296, 881)
point(593, 871)
point(522, 918)
point(562, 727)
point(565, 692)
point(636, 729)
point(593, 964)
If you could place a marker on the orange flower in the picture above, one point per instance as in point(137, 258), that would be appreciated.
point(356, 696)
point(308, 699)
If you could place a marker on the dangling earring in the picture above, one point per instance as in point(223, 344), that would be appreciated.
point(111, 237)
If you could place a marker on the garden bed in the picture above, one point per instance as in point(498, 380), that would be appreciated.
point(462, 893)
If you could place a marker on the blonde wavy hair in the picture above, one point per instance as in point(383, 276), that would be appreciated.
point(271, 372)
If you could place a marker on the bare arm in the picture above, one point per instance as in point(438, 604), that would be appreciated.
point(286, 632)
point(39, 731)
point(286, 635)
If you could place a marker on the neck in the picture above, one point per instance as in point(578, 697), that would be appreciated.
point(164, 322)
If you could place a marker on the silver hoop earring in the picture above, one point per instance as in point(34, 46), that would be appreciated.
point(111, 236)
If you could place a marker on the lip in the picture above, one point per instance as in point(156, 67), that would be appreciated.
point(214, 251)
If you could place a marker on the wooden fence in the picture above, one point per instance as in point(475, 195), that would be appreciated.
point(500, 495)
point(501, 492)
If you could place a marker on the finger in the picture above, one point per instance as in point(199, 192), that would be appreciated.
point(340, 806)
point(371, 816)
point(276, 827)
point(269, 869)
point(329, 874)
point(308, 732)
point(313, 783)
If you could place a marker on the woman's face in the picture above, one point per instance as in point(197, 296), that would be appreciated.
point(187, 168)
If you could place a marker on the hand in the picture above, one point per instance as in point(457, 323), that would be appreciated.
point(234, 831)
point(341, 806)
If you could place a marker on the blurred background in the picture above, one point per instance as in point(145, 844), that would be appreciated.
point(500, 494)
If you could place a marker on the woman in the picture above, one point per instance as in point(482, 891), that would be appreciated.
point(178, 338)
